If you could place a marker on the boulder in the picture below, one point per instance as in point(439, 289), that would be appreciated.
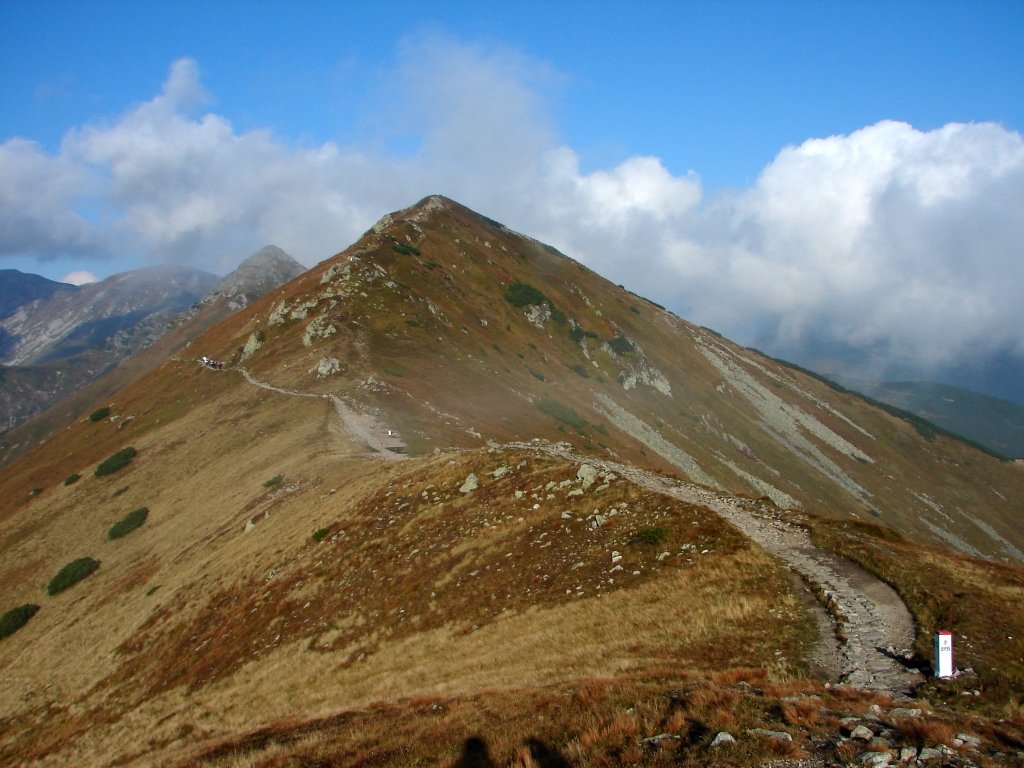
point(723, 737)
point(587, 475)
point(471, 484)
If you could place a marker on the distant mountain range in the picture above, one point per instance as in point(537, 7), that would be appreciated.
point(992, 422)
point(57, 338)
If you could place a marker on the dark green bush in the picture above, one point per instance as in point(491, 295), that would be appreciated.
point(537, 375)
point(116, 461)
point(651, 535)
point(72, 479)
point(128, 523)
point(34, 492)
point(275, 480)
point(99, 414)
point(580, 370)
point(408, 250)
point(523, 295)
point(16, 618)
point(320, 534)
point(71, 574)
point(620, 345)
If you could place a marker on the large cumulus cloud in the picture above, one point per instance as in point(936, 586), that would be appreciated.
point(901, 243)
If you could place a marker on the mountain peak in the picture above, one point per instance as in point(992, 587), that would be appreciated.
point(261, 272)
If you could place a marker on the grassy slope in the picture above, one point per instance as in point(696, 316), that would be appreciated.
point(245, 624)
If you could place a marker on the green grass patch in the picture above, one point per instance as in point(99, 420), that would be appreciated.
point(99, 414)
point(128, 523)
point(116, 461)
point(71, 574)
point(275, 480)
point(118, 492)
point(16, 618)
point(72, 479)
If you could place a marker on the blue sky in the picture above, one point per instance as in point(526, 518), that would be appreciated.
point(806, 176)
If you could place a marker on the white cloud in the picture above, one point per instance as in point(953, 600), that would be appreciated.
point(888, 238)
point(79, 277)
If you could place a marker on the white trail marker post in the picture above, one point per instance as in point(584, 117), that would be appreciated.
point(943, 653)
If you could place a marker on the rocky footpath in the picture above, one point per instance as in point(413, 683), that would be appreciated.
point(874, 627)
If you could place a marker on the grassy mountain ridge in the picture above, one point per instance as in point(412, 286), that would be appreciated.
point(428, 290)
point(290, 596)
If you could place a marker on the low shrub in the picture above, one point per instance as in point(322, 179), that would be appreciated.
point(128, 523)
point(72, 479)
point(16, 618)
point(649, 535)
point(320, 534)
point(34, 492)
point(580, 370)
point(537, 375)
point(620, 345)
point(71, 574)
point(275, 480)
point(99, 414)
point(523, 295)
point(408, 250)
point(116, 461)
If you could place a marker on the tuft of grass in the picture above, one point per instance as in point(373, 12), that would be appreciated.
point(71, 574)
point(128, 523)
point(72, 479)
point(16, 618)
point(100, 413)
point(116, 461)
point(275, 480)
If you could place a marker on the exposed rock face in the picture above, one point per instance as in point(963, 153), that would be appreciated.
point(327, 366)
point(254, 342)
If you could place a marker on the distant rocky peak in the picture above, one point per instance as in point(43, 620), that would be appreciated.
point(261, 272)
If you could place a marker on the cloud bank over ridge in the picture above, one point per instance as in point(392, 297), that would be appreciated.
point(900, 243)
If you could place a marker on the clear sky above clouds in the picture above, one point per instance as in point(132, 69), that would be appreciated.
point(807, 176)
